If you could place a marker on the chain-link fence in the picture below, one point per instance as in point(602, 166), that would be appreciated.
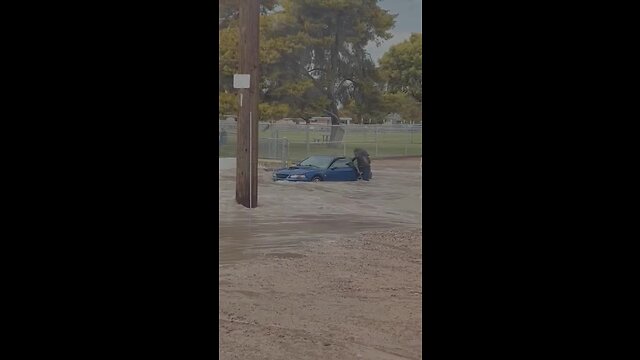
point(295, 142)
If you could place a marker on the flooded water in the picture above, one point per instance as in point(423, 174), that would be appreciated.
point(291, 213)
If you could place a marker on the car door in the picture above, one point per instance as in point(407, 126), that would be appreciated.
point(341, 170)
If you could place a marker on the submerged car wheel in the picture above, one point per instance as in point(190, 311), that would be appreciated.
point(316, 179)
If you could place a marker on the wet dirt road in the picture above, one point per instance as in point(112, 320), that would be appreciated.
point(291, 213)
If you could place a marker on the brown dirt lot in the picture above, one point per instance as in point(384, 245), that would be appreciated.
point(358, 297)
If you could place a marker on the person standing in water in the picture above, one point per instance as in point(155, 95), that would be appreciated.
point(362, 161)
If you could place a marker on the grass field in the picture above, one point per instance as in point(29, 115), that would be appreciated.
point(388, 144)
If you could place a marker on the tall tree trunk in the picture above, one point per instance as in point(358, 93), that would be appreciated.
point(335, 117)
point(336, 131)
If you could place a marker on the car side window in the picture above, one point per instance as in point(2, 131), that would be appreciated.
point(342, 163)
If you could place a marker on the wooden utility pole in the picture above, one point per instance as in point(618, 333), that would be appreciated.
point(247, 143)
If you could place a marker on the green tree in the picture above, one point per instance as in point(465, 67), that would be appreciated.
point(227, 104)
point(401, 67)
point(327, 40)
point(272, 111)
point(366, 103)
point(228, 61)
point(405, 105)
point(228, 10)
point(313, 58)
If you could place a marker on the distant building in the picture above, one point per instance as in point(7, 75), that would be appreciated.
point(290, 120)
point(325, 120)
point(228, 118)
point(320, 120)
point(392, 119)
point(287, 121)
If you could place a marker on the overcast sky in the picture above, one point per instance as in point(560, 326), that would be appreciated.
point(409, 21)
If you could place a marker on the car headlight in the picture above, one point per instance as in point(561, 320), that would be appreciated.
point(297, 177)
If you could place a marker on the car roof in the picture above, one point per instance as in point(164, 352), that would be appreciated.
point(328, 156)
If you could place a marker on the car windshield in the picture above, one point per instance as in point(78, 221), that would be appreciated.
point(321, 162)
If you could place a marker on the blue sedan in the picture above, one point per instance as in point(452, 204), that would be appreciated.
point(319, 168)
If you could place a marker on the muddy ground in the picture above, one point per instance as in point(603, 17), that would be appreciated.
point(323, 270)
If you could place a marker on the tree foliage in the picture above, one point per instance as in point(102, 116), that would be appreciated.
point(332, 35)
point(228, 10)
point(227, 104)
point(401, 67)
point(403, 104)
point(272, 111)
point(313, 61)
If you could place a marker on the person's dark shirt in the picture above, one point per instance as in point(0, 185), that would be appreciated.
point(361, 162)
